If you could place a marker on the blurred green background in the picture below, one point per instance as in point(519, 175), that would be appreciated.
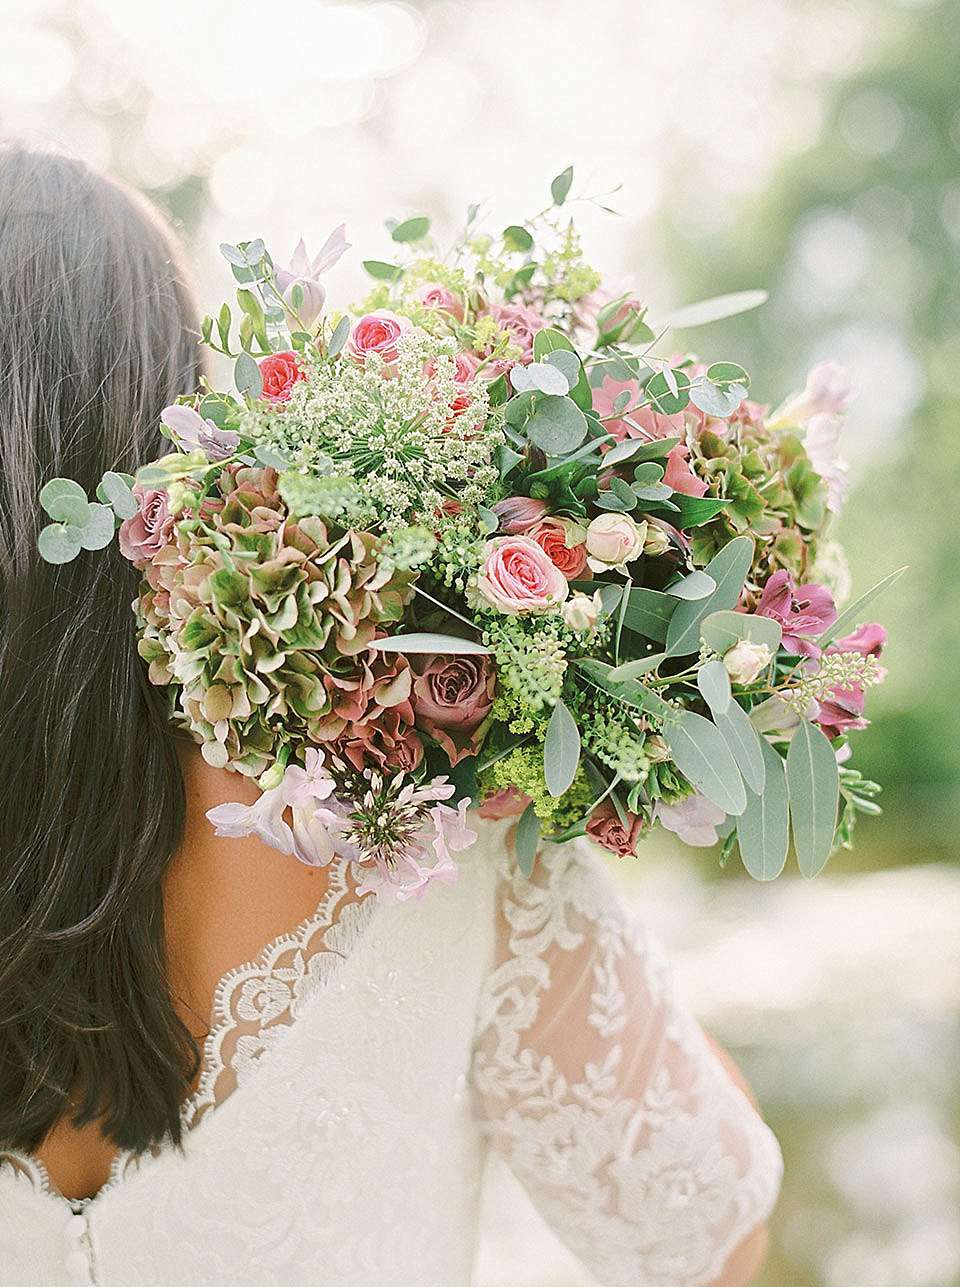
point(811, 147)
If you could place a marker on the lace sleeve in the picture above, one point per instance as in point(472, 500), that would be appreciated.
point(602, 1094)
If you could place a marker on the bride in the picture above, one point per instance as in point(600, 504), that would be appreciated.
point(219, 1066)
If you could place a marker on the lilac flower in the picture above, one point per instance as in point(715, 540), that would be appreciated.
point(194, 432)
point(694, 820)
point(305, 273)
point(801, 610)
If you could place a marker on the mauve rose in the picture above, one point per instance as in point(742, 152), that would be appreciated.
point(377, 332)
point(517, 514)
point(518, 576)
point(280, 373)
point(150, 529)
point(607, 830)
point(522, 323)
point(565, 542)
point(508, 802)
point(452, 697)
point(433, 295)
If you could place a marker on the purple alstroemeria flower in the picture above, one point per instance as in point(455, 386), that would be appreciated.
point(803, 611)
point(305, 272)
point(194, 432)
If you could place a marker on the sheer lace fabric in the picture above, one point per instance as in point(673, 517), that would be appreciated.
point(338, 1132)
point(603, 1095)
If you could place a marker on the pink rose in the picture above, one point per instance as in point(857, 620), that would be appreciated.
point(377, 333)
point(150, 529)
point(433, 295)
point(508, 802)
point(522, 323)
point(557, 537)
point(607, 830)
point(517, 576)
point(280, 373)
point(452, 697)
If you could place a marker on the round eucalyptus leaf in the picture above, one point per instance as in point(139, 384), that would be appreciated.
point(715, 400)
point(557, 425)
point(98, 530)
point(58, 544)
point(547, 379)
point(247, 377)
point(65, 501)
point(727, 373)
point(569, 364)
point(665, 399)
point(117, 493)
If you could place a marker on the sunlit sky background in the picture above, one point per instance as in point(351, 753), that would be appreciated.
point(306, 114)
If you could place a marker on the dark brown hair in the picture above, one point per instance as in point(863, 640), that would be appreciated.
point(97, 334)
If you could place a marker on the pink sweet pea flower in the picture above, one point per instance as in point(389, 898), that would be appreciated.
point(802, 611)
point(679, 475)
point(264, 819)
point(694, 820)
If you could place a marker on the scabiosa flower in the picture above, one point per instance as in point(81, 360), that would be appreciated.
point(402, 834)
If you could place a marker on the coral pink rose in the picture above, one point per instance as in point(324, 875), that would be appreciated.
point(280, 373)
point(553, 535)
point(607, 830)
point(452, 697)
point(433, 295)
point(377, 333)
point(150, 529)
point(522, 323)
point(517, 576)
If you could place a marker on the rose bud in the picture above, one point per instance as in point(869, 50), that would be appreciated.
point(614, 540)
point(745, 660)
point(582, 611)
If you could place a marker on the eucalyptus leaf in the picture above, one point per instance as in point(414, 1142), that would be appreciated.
point(714, 401)
point(116, 492)
point(339, 337)
point(450, 645)
point(650, 612)
point(65, 501)
point(720, 631)
point(813, 781)
point(561, 751)
point(272, 457)
point(668, 396)
point(640, 666)
point(628, 691)
point(232, 254)
point(489, 519)
point(382, 272)
point(695, 585)
point(517, 238)
point(728, 568)
point(247, 377)
point(99, 528)
point(635, 449)
point(726, 374)
point(567, 362)
point(528, 833)
point(744, 742)
point(715, 309)
point(549, 340)
point(694, 510)
point(560, 187)
point(714, 685)
point(556, 425)
point(763, 829)
point(58, 543)
point(705, 760)
point(411, 229)
point(850, 617)
point(540, 376)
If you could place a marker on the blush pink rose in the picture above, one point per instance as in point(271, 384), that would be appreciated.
point(452, 697)
point(522, 323)
point(280, 372)
point(607, 830)
point(518, 576)
point(552, 535)
point(150, 529)
point(433, 295)
point(377, 333)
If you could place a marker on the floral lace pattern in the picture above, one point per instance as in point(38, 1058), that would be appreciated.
point(603, 1095)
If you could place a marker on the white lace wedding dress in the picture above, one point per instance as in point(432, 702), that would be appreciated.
point(356, 1072)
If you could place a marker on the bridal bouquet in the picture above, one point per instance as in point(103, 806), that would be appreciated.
point(485, 541)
